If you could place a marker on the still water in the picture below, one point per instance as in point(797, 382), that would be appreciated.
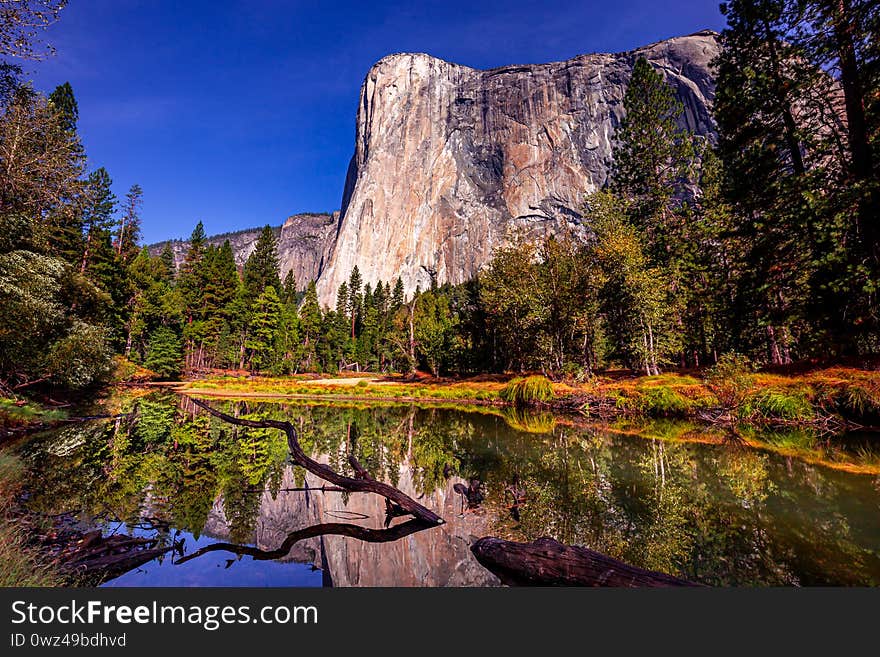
point(665, 496)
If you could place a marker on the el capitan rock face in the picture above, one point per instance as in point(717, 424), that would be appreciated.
point(449, 161)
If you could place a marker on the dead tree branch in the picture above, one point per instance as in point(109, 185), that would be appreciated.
point(362, 483)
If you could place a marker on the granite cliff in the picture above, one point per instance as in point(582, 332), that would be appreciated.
point(450, 160)
point(304, 245)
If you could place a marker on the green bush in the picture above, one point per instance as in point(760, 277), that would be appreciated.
point(661, 401)
point(363, 383)
point(530, 390)
point(731, 379)
point(783, 405)
point(81, 357)
point(859, 401)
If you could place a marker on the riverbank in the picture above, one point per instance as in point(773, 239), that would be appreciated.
point(826, 398)
point(21, 562)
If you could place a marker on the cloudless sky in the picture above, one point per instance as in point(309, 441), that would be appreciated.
point(241, 113)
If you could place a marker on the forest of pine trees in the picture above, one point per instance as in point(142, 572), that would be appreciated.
point(765, 242)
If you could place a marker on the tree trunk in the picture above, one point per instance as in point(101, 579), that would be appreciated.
point(783, 105)
point(861, 160)
point(412, 335)
point(85, 260)
point(775, 355)
point(546, 562)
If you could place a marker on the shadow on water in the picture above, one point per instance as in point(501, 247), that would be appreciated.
point(667, 496)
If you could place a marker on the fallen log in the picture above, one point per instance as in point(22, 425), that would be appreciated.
point(363, 482)
point(547, 562)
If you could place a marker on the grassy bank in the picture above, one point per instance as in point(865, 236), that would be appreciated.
point(839, 395)
point(20, 415)
point(21, 564)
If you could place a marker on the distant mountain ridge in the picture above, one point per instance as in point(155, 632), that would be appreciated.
point(304, 244)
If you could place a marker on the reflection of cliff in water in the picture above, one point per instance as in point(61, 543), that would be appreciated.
point(438, 556)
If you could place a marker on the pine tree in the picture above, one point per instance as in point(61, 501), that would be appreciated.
point(652, 156)
point(191, 284)
point(264, 329)
point(789, 178)
point(163, 353)
point(354, 297)
point(100, 204)
point(64, 103)
point(130, 225)
point(261, 269)
point(310, 318)
point(65, 219)
point(289, 292)
point(167, 258)
point(220, 281)
point(397, 299)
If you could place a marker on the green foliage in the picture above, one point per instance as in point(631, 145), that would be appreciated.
point(663, 401)
point(261, 269)
point(785, 405)
point(528, 390)
point(528, 421)
point(64, 103)
point(264, 327)
point(81, 358)
point(731, 379)
point(652, 157)
point(164, 353)
point(859, 401)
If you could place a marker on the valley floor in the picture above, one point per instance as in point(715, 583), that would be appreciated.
point(819, 397)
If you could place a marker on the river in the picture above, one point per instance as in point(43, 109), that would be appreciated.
point(666, 496)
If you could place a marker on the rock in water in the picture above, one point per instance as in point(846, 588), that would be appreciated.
point(449, 161)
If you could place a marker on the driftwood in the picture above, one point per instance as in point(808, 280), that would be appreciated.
point(326, 529)
point(362, 482)
point(546, 562)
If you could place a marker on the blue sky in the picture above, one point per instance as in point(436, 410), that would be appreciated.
point(241, 113)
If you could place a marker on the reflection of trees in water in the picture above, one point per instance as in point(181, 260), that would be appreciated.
point(165, 460)
point(723, 515)
point(718, 514)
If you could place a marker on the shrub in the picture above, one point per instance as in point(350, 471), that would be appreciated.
point(783, 405)
point(859, 401)
point(81, 357)
point(363, 383)
point(731, 379)
point(662, 401)
point(530, 390)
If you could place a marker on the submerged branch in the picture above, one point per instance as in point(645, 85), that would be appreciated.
point(362, 483)
point(325, 529)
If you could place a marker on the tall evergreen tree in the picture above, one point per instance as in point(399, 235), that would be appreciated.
point(264, 330)
point(354, 297)
point(261, 269)
point(129, 232)
point(310, 318)
point(64, 103)
point(289, 292)
point(652, 156)
point(100, 204)
point(167, 258)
